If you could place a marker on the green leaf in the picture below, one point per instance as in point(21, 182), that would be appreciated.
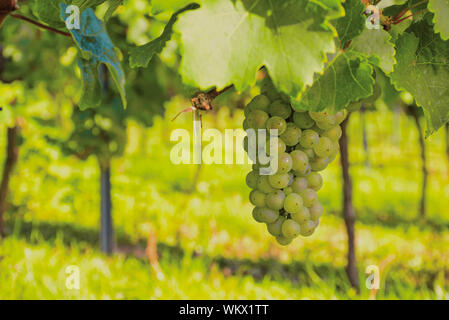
point(440, 8)
point(84, 4)
point(377, 44)
point(48, 11)
point(140, 56)
point(423, 70)
point(158, 6)
point(226, 42)
point(352, 24)
point(348, 78)
point(96, 47)
point(113, 5)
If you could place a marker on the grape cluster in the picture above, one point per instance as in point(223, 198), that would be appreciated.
point(287, 200)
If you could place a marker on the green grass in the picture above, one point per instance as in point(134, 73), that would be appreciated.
point(209, 246)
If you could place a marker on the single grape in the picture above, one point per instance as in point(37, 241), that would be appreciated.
point(334, 134)
point(303, 120)
point(276, 123)
point(300, 160)
point(290, 229)
point(301, 216)
point(308, 228)
point(308, 196)
point(340, 116)
point(279, 181)
point(256, 214)
point(316, 211)
point(291, 135)
point(260, 102)
point(285, 163)
point(275, 228)
point(293, 203)
point(263, 185)
point(319, 164)
point(268, 215)
point(305, 172)
point(257, 198)
point(251, 179)
point(318, 116)
point(275, 200)
point(257, 119)
point(314, 181)
point(283, 241)
point(308, 139)
point(280, 108)
point(299, 184)
point(309, 152)
point(271, 144)
point(323, 125)
point(324, 147)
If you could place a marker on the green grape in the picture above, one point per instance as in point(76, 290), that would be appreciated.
point(283, 241)
point(309, 152)
point(251, 179)
point(319, 164)
point(334, 134)
point(257, 119)
point(287, 190)
point(268, 215)
point(276, 123)
point(318, 116)
point(275, 228)
point(285, 163)
point(275, 200)
point(302, 216)
point(263, 185)
point(316, 211)
point(293, 203)
point(324, 147)
point(305, 172)
point(279, 181)
point(300, 160)
point(308, 196)
point(271, 143)
point(260, 102)
point(323, 125)
point(257, 198)
point(340, 116)
point(308, 139)
point(290, 229)
point(299, 184)
point(308, 228)
point(303, 120)
point(314, 181)
point(280, 108)
point(291, 135)
point(256, 214)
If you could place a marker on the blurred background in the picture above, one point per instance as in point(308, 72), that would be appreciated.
point(186, 231)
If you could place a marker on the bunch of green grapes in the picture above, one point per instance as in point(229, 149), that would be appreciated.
point(287, 200)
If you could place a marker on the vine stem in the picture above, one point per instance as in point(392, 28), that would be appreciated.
point(409, 16)
point(40, 25)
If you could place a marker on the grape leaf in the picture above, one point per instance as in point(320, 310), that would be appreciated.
point(140, 56)
point(348, 78)
point(84, 4)
point(113, 5)
point(352, 24)
point(48, 12)
point(96, 47)
point(158, 6)
point(440, 8)
point(228, 41)
point(377, 44)
point(423, 70)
